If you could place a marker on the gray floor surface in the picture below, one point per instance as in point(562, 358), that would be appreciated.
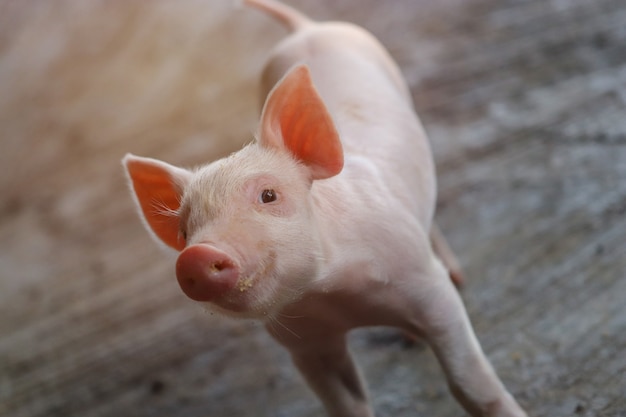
point(525, 105)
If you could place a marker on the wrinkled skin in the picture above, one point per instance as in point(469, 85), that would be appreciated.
point(324, 223)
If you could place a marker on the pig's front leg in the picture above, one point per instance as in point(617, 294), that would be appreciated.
point(328, 368)
point(440, 317)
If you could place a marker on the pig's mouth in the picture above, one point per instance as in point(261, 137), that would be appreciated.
point(264, 269)
point(254, 293)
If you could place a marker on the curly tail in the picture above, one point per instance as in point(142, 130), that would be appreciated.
point(292, 18)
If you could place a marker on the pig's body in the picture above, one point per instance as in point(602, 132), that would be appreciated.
point(375, 216)
point(324, 224)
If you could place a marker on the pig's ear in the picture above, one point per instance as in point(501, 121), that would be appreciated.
point(158, 189)
point(295, 117)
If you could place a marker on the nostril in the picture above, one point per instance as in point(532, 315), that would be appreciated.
point(220, 266)
point(188, 282)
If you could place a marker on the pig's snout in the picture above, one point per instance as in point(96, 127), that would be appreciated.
point(205, 273)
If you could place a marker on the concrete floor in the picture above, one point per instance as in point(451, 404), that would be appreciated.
point(525, 104)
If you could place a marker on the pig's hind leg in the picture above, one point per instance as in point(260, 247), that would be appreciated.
point(444, 253)
point(439, 316)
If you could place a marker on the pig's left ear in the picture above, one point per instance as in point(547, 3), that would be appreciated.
point(295, 118)
point(158, 189)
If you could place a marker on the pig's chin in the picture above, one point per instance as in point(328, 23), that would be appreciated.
point(236, 310)
point(243, 306)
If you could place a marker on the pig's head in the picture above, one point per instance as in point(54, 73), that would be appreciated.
point(245, 225)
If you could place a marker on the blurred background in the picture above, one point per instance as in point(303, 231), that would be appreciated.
point(525, 105)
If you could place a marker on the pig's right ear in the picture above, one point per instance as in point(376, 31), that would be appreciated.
point(295, 118)
point(158, 189)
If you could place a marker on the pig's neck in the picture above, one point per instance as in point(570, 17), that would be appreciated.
point(364, 232)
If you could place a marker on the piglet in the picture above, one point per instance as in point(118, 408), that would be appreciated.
point(325, 222)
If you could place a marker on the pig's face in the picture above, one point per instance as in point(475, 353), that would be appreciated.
point(251, 240)
point(245, 225)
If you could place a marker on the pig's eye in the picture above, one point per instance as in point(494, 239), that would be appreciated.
point(267, 196)
point(183, 234)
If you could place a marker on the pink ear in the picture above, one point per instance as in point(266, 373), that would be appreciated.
point(158, 190)
point(295, 118)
